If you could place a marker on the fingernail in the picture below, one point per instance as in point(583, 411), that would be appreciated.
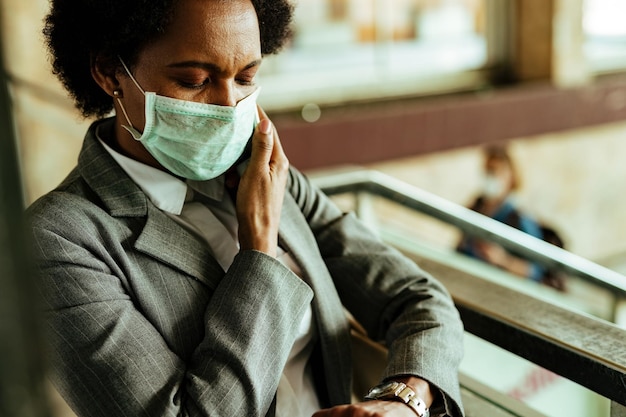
point(265, 126)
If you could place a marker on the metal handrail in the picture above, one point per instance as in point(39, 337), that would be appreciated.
point(470, 222)
point(579, 347)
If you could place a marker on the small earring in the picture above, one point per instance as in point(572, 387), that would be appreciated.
point(118, 94)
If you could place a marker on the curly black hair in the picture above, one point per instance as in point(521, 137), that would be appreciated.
point(76, 30)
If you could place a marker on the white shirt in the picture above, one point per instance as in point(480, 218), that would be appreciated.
point(215, 220)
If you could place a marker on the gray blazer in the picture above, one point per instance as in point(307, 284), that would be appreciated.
point(142, 321)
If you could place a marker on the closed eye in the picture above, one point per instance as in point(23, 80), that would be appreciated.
point(194, 85)
point(247, 76)
point(245, 81)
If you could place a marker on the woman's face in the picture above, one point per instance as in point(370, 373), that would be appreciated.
point(209, 53)
point(499, 177)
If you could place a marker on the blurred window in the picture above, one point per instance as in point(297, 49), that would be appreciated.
point(346, 50)
point(605, 34)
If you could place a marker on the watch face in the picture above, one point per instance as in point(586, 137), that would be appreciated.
point(383, 390)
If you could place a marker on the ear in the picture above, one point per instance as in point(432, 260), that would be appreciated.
point(105, 73)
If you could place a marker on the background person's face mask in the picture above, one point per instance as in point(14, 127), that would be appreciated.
point(194, 140)
point(493, 187)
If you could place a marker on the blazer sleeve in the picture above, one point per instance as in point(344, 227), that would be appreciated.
point(396, 302)
point(108, 359)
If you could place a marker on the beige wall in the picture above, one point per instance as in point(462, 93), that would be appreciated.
point(48, 127)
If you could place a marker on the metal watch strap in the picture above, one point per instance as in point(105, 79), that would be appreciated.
point(411, 399)
point(399, 391)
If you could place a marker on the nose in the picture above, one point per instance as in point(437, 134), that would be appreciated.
point(224, 94)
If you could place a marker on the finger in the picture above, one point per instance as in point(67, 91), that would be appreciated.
point(262, 143)
point(279, 161)
point(261, 112)
point(265, 124)
point(277, 152)
point(278, 146)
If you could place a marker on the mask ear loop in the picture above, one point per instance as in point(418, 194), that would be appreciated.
point(130, 75)
point(131, 129)
point(117, 96)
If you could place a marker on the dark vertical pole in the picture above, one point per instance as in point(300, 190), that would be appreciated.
point(22, 392)
point(533, 44)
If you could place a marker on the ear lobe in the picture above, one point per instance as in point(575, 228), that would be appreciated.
point(104, 73)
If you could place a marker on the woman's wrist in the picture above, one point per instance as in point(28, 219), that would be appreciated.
point(422, 388)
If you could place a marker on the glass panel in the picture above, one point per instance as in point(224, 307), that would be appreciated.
point(524, 385)
point(605, 34)
point(358, 49)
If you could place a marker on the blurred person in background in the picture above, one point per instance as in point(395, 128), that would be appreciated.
point(185, 275)
point(497, 201)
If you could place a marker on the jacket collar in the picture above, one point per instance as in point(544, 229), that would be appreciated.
point(161, 237)
point(120, 195)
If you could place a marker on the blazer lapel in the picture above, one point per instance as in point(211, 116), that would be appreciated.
point(296, 238)
point(164, 239)
point(161, 238)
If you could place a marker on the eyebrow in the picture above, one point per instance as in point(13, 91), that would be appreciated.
point(208, 66)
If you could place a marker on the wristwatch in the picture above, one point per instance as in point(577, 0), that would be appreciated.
point(399, 391)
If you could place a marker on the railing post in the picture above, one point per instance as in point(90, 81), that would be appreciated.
point(617, 410)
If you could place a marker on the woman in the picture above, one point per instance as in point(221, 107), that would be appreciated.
point(497, 201)
point(179, 280)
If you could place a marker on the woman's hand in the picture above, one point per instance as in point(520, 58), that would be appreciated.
point(379, 408)
point(498, 256)
point(261, 190)
point(368, 409)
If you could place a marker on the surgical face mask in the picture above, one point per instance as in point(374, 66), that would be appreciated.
point(194, 140)
point(493, 187)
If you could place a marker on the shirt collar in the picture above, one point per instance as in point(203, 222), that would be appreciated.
point(167, 192)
